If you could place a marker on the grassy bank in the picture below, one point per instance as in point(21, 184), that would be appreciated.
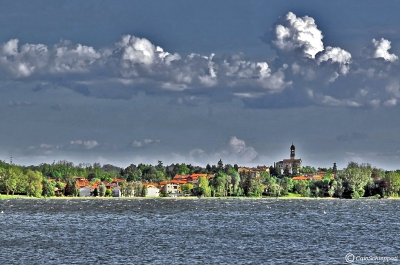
point(289, 196)
point(7, 197)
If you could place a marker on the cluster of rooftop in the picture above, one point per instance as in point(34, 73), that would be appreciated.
point(173, 188)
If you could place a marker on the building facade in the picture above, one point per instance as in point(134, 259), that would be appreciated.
point(152, 191)
point(291, 165)
point(171, 189)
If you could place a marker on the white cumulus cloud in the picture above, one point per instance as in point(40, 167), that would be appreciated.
point(23, 61)
point(382, 48)
point(135, 62)
point(239, 151)
point(239, 71)
point(29, 59)
point(70, 58)
point(138, 54)
point(299, 33)
point(337, 55)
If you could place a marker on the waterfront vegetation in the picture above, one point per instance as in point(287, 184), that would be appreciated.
point(354, 181)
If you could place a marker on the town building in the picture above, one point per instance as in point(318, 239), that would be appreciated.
point(152, 190)
point(255, 172)
point(171, 189)
point(191, 178)
point(315, 176)
point(84, 192)
point(292, 165)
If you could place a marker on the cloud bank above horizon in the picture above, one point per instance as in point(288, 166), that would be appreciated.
point(134, 63)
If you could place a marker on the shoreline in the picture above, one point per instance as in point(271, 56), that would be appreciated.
point(24, 197)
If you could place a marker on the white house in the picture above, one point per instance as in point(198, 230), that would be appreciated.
point(152, 191)
point(84, 192)
point(171, 189)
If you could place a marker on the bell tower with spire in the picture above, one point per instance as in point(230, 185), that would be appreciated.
point(291, 166)
point(292, 151)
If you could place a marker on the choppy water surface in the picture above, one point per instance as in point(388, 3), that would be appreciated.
point(198, 231)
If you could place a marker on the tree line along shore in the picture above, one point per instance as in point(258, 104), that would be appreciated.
point(64, 179)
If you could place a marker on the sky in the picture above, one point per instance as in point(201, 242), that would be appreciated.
point(126, 82)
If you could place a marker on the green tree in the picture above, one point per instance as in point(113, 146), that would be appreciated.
point(48, 188)
point(338, 187)
point(21, 181)
point(354, 178)
point(302, 187)
point(208, 169)
point(320, 188)
point(393, 179)
point(160, 176)
point(251, 185)
point(371, 187)
point(307, 170)
point(129, 189)
point(144, 191)
point(235, 182)
point(182, 169)
point(272, 187)
point(138, 187)
point(316, 192)
point(10, 180)
point(91, 176)
point(102, 190)
point(264, 176)
point(70, 186)
point(187, 188)
point(287, 185)
point(60, 185)
point(219, 184)
point(34, 183)
point(331, 190)
point(3, 175)
point(203, 188)
point(220, 165)
point(160, 166)
point(256, 188)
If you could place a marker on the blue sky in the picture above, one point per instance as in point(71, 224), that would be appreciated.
point(190, 81)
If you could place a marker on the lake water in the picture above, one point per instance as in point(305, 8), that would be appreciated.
point(197, 231)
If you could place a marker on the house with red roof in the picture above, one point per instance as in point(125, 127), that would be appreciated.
point(313, 176)
point(171, 188)
point(192, 178)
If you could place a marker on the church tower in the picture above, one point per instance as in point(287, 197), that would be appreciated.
point(292, 151)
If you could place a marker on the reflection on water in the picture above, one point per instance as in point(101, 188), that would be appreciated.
point(198, 231)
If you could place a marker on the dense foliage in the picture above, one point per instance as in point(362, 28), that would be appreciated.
point(354, 181)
